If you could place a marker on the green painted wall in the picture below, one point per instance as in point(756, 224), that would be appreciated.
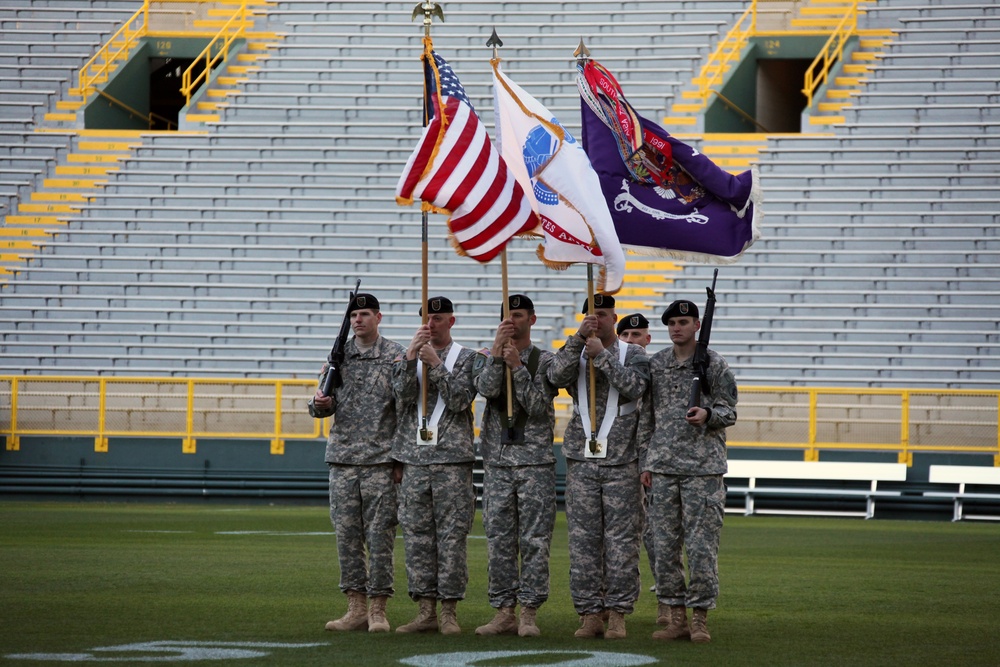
point(130, 84)
point(740, 89)
point(740, 86)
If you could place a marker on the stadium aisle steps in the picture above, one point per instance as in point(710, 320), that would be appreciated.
point(80, 174)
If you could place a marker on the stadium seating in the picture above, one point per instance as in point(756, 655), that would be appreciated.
point(231, 252)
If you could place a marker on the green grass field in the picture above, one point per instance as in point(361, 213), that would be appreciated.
point(81, 577)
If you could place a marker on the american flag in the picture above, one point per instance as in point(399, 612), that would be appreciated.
point(456, 169)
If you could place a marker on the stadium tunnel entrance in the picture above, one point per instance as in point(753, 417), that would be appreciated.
point(763, 93)
point(145, 92)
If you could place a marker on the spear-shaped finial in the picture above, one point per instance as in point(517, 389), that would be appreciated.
point(495, 42)
point(582, 52)
point(429, 11)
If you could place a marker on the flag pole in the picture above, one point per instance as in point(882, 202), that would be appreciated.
point(496, 43)
point(510, 380)
point(594, 445)
point(429, 10)
point(582, 54)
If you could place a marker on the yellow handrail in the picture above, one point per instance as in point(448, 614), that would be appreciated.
point(150, 119)
point(809, 419)
point(819, 71)
point(184, 408)
point(727, 51)
point(223, 40)
point(88, 79)
point(98, 68)
point(902, 420)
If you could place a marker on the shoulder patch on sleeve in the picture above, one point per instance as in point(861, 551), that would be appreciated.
point(480, 361)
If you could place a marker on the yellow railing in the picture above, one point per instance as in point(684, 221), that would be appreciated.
point(810, 419)
point(150, 119)
point(184, 408)
point(819, 71)
point(727, 51)
point(904, 421)
point(98, 69)
point(215, 52)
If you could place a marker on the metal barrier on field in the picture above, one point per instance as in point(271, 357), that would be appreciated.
point(188, 409)
point(904, 421)
point(810, 419)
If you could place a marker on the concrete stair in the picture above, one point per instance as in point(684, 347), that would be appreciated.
point(95, 154)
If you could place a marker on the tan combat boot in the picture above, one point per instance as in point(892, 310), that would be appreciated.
point(699, 626)
point(676, 625)
point(449, 617)
point(592, 626)
point(527, 627)
point(377, 621)
point(662, 614)
point(356, 617)
point(504, 623)
point(616, 626)
point(426, 620)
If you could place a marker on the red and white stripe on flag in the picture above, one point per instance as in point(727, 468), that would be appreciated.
point(457, 170)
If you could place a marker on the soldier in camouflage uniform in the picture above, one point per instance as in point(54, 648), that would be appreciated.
point(683, 462)
point(634, 329)
point(602, 494)
point(437, 501)
point(519, 488)
point(359, 455)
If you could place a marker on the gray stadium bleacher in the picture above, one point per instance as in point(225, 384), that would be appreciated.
point(881, 238)
point(231, 253)
point(42, 46)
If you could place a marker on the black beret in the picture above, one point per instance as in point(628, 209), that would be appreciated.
point(518, 302)
point(634, 321)
point(361, 301)
point(439, 304)
point(680, 308)
point(600, 301)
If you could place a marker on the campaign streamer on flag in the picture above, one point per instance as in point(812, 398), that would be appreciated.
point(456, 170)
point(563, 188)
point(665, 197)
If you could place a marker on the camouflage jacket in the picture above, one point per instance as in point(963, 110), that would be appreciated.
point(364, 407)
point(630, 379)
point(532, 405)
point(670, 445)
point(455, 430)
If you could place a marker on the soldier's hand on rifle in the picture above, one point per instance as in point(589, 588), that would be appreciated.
point(321, 401)
point(696, 416)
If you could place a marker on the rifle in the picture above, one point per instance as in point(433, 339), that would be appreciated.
point(699, 384)
point(335, 360)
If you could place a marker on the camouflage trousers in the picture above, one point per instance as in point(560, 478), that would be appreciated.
point(604, 519)
point(437, 504)
point(686, 513)
point(647, 531)
point(363, 513)
point(519, 513)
